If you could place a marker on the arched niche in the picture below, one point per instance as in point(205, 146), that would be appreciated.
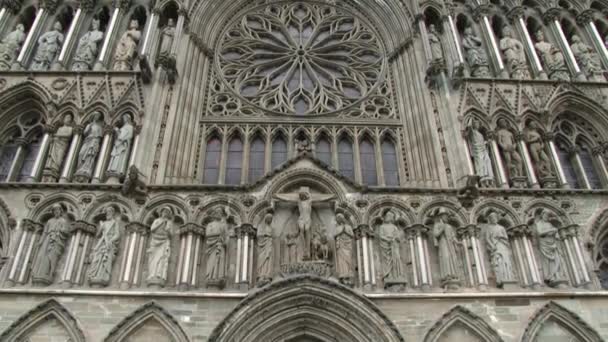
point(554, 322)
point(151, 322)
point(460, 324)
point(306, 309)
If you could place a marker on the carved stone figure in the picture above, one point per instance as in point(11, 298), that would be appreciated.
point(105, 250)
point(88, 46)
point(59, 146)
point(435, 43)
point(514, 54)
point(166, 37)
point(552, 58)
point(10, 47)
point(587, 59)
point(159, 249)
point(476, 54)
point(127, 48)
point(551, 264)
point(508, 146)
point(481, 157)
point(499, 248)
point(93, 134)
point(122, 146)
point(390, 251)
point(444, 237)
point(51, 247)
point(48, 48)
point(216, 240)
point(344, 250)
point(536, 146)
point(265, 251)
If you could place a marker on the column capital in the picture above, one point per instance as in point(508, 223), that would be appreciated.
point(515, 13)
point(49, 5)
point(416, 230)
point(87, 5)
point(11, 5)
point(78, 129)
point(192, 228)
point(121, 4)
point(548, 136)
point(32, 226)
point(569, 231)
point(138, 228)
point(157, 11)
point(108, 130)
point(363, 230)
point(49, 129)
point(519, 231)
point(552, 14)
point(21, 142)
point(84, 227)
point(585, 17)
point(481, 11)
point(519, 136)
point(598, 150)
point(246, 229)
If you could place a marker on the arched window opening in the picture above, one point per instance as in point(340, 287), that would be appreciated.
point(601, 259)
point(64, 17)
point(586, 156)
point(234, 163)
point(565, 158)
point(256, 159)
point(389, 163)
point(213, 154)
point(7, 155)
point(166, 30)
point(368, 162)
point(139, 14)
point(103, 15)
point(346, 163)
point(323, 150)
point(27, 17)
point(279, 152)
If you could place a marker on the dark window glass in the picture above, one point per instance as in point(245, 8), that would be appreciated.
point(234, 163)
point(7, 154)
point(323, 150)
point(568, 167)
point(279, 152)
point(345, 158)
point(213, 155)
point(589, 168)
point(29, 160)
point(368, 163)
point(256, 160)
point(602, 260)
point(389, 163)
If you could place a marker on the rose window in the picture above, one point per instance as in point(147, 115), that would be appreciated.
point(300, 58)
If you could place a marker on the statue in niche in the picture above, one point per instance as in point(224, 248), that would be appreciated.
point(10, 47)
point(49, 45)
point(159, 249)
point(514, 54)
point(476, 54)
point(59, 146)
point(508, 147)
point(216, 239)
point(105, 250)
point(546, 236)
point(435, 43)
point(499, 248)
point(93, 134)
point(390, 238)
point(444, 238)
point(265, 250)
point(51, 247)
point(166, 37)
point(344, 250)
point(538, 153)
point(304, 228)
point(86, 52)
point(122, 146)
point(588, 59)
point(127, 48)
point(552, 58)
point(481, 157)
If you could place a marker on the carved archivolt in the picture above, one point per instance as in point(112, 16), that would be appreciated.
point(570, 321)
point(460, 314)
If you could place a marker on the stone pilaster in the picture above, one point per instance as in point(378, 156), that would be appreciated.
point(417, 239)
point(191, 244)
point(132, 262)
point(77, 253)
point(245, 242)
point(364, 240)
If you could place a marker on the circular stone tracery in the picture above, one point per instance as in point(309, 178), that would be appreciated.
point(300, 58)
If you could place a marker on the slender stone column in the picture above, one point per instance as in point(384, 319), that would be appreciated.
point(13, 172)
point(149, 32)
point(30, 235)
point(104, 153)
point(426, 46)
point(524, 255)
point(30, 40)
point(516, 15)
point(77, 253)
point(118, 10)
point(449, 26)
point(70, 39)
point(70, 160)
point(502, 181)
point(530, 171)
point(191, 240)
point(41, 157)
point(481, 16)
point(417, 235)
point(551, 18)
point(561, 176)
point(469, 236)
point(134, 146)
point(182, 18)
point(364, 239)
point(600, 164)
point(130, 273)
point(245, 235)
point(574, 154)
point(586, 20)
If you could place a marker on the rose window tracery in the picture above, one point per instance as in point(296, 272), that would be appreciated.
point(300, 58)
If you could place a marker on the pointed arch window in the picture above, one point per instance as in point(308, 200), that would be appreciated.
point(589, 169)
point(565, 159)
point(213, 154)
point(234, 165)
point(8, 152)
point(389, 163)
point(279, 152)
point(257, 156)
point(346, 163)
point(367, 153)
point(323, 150)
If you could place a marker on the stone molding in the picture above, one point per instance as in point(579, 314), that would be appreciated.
point(566, 318)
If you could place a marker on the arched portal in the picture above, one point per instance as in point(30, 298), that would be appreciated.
point(306, 309)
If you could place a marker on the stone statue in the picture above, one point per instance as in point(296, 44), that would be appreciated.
point(508, 146)
point(265, 251)
point(481, 157)
point(87, 48)
point(105, 250)
point(49, 45)
point(536, 146)
point(499, 248)
point(166, 37)
point(159, 249)
point(390, 250)
point(435, 43)
point(444, 237)
point(344, 250)
point(476, 55)
point(587, 59)
point(10, 47)
point(122, 146)
point(59, 146)
point(216, 239)
point(93, 134)
point(514, 54)
point(127, 48)
point(552, 58)
point(546, 235)
point(51, 247)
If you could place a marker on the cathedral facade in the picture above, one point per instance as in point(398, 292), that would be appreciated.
point(303, 170)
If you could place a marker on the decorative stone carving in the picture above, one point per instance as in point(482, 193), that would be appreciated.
point(390, 239)
point(86, 52)
point(435, 43)
point(587, 59)
point(134, 187)
point(93, 135)
point(547, 242)
point(166, 37)
point(509, 152)
point(122, 147)
point(499, 249)
point(48, 48)
point(514, 54)
point(51, 247)
point(480, 154)
point(552, 58)
point(105, 250)
point(536, 146)
point(127, 48)
point(216, 240)
point(159, 249)
point(10, 47)
point(476, 54)
point(344, 250)
point(58, 148)
point(265, 260)
point(444, 238)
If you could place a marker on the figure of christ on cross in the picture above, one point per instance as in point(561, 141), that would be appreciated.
point(305, 200)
